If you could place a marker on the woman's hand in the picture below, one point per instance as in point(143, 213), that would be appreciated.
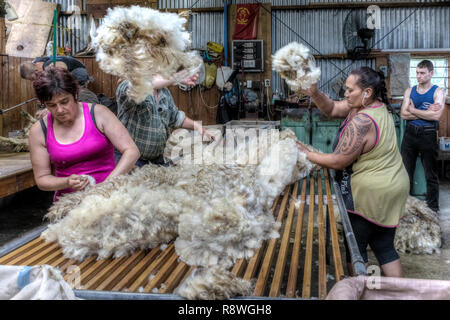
point(77, 182)
point(302, 148)
point(311, 91)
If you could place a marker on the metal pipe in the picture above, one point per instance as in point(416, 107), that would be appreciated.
point(355, 256)
point(225, 28)
point(114, 295)
point(20, 241)
point(17, 105)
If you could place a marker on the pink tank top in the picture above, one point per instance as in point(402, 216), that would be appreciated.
point(92, 154)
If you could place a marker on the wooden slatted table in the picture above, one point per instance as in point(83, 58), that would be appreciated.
point(291, 266)
point(16, 173)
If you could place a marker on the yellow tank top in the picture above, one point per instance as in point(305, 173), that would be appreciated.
point(380, 183)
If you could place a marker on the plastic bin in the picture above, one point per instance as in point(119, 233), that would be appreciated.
point(324, 131)
point(298, 121)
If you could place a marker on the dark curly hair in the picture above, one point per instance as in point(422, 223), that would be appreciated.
point(369, 78)
point(54, 81)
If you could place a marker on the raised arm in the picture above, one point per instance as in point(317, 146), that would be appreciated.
point(333, 109)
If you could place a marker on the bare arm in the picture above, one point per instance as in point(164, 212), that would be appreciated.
point(188, 123)
point(40, 161)
point(333, 109)
point(359, 136)
point(435, 110)
point(407, 104)
point(114, 130)
point(159, 82)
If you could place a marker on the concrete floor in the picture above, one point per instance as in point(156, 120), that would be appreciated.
point(431, 266)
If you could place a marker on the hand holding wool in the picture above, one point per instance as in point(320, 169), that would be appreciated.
point(296, 66)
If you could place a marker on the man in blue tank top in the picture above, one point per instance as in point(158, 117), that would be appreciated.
point(421, 108)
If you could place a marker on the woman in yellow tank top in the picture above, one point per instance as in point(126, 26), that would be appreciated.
point(368, 164)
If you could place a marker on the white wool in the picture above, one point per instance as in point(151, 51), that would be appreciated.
point(215, 213)
point(215, 283)
point(296, 65)
point(418, 231)
point(136, 43)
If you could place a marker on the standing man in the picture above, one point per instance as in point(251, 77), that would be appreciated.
point(150, 121)
point(422, 107)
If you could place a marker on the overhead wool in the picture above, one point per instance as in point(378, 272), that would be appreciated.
point(215, 283)
point(228, 206)
point(418, 231)
point(136, 43)
point(296, 65)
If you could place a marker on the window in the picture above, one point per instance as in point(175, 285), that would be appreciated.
point(440, 76)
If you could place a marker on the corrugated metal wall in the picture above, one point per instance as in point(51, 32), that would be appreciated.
point(175, 4)
point(322, 29)
point(72, 30)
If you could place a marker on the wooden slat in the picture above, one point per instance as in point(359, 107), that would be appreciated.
point(121, 271)
point(333, 231)
point(28, 254)
point(321, 235)
point(162, 273)
point(55, 256)
point(132, 275)
point(252, 265)
point(103, 274)
point(306, 291)
point(44, 252)
point(18, 252)
point(239, 267)
point(267, 262)
point(83, 265)
point(155, 265)
point(293, 272)
point(93, 269)
point(284, 247)
point(174, 279)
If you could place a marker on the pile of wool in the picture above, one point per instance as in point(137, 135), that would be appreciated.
point(20, 142)
point(228, 206)
point(296, 65)
point(418, 231)
point(136, 43)
point(214, 283)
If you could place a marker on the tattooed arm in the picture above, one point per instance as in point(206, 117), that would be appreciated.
point(358, 137)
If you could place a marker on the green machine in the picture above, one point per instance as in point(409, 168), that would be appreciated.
point(320, 131)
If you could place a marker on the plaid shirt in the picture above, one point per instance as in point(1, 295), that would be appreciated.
point(148, 122)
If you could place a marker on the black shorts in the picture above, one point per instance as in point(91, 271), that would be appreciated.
point(380, 240)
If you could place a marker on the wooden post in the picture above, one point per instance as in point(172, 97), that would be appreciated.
point(2, 35)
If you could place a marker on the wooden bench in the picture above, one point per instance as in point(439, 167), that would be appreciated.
point(16, 173)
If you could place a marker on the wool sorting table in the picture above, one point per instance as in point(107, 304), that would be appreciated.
point(299, 264)
point(16, 173)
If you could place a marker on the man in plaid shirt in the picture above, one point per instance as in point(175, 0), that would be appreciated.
point(149, 121)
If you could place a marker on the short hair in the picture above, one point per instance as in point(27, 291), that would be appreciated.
point(27, 70)
point(54, 81)
point(426, 64)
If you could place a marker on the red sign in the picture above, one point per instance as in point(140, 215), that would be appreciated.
point(246, 26)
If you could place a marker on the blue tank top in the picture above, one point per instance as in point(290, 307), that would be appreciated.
point(422, 102)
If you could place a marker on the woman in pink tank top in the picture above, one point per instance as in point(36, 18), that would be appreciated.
point(76, 140)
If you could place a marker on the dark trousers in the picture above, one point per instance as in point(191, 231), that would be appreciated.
point(422, 141)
